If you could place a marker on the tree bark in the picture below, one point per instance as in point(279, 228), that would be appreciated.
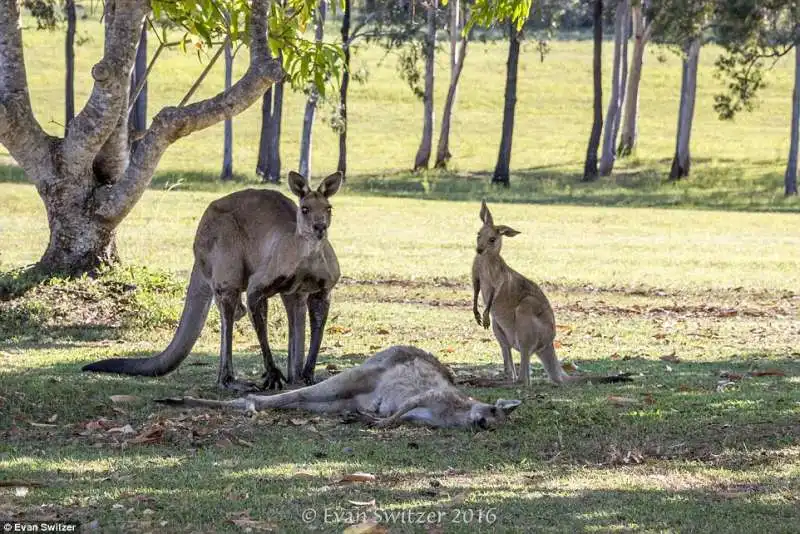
point(424, 151)
point(227, 141)
point(345, 86)
point(69, 52)
point(274, 167)
point(630, 129)
point(681, 163)
point(458, 52)
point(137, 119)
point(85, 189)
point(262, 162)
point(790, 178)
point(502, 168)
point(615, 102)
point(590, 166)
point(623, 82)
point(304, 166)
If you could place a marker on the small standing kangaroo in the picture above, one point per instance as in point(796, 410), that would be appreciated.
point(521, 315)
point(256, 241)
point(398, 384)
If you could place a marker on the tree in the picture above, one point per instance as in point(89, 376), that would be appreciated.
point(269, 147)
point(69, 52)
point(227, 139)
point(304, 167)
point(755, 34)
point(502, 171)
point(458, 53)
point(341, 166)
point(681, 162)
point(137, 117)
point(590, 165)
point(642, 31)
point(429, 50)
point(617, 89)
point(89, 180)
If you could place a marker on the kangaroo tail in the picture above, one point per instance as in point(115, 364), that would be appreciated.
point(193, 318)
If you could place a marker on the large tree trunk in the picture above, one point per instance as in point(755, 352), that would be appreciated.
point(630, 131)
point(623, 82)
point(89, 181)
point(137, 120)
point(590, 166)
point(424, 151)
point(790, 178)
point(458, 52)
point(502, 169)
point(227, 141)
point(69, 53)
point(342, 165)
point(681, 163)
point(304, 167)
point(615, 102)
point(274, 168)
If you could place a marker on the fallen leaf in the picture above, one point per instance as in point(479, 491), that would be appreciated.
point(614, 356)
point(556, 344)
point(338, 329)
point(247, 444)
point(357, 477)
point(622, 401)
point(569, 367)
point(224, 443)
point(723, 385)
point(727, 313)
point(459, 498)
point(659, 335)
point(53, 418)
point(671, 358)
point(120, 399)
point(98, 424)
point(367, 527)
point(127, 429)
point(363, 503)
point(296, 421)
point(730, 375)
point(449, 349)
point(648, 398)
point(767, 372)
point(151, 434)
point(42, 425)
point(382, 331)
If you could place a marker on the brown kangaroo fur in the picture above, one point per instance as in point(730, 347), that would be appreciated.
point(521, 315)
point(398, 384)
point(256, 241)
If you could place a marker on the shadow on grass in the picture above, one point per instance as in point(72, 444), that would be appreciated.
point(717, 184)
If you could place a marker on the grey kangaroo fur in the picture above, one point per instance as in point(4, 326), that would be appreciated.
point(398, 384)
point(259, 242)
point(517, 309)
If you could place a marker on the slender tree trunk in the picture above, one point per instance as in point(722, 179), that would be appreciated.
point(342, 165)
point(227, 142)
point(502, 168)
point(424, 152)
point(458, 53)
point(590, 166)
point(304, 167)
point(274, 168)
point(614, 103)
point(623, 83)
point(681, 163)
point(262, 163)
point(790, 178)
point(69, 53)
point(137, 121)
point(630, 117)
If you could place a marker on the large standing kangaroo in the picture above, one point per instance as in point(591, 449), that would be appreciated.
point(521, 315)
point(256, 241)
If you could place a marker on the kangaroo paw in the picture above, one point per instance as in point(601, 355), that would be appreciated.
point(273, 379)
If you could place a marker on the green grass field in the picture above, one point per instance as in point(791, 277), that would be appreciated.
point(701, 305)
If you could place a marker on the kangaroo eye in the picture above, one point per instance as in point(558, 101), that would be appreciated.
point(304, 210)
point(330, 209)
point(492, 240)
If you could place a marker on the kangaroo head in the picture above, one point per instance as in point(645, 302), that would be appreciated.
point(485, 416)
point(314, 215)
point(490, 236)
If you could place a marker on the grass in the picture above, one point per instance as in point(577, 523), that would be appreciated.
point(705, 443)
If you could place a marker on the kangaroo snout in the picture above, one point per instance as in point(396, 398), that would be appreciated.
point(320, 229)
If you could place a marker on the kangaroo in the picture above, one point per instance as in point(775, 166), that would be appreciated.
point(517, 309)
point(398, 384)
point(256, 241)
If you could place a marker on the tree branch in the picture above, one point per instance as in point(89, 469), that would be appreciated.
point(20, 133)
point(100, 116)
point(171, 123)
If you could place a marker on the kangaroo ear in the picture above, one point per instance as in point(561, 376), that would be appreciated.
point(507, 406)
point(330, 185)
point(486, 215)
point(506, 231)
point(298, 184)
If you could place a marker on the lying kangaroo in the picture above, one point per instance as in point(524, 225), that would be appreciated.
point(259, 242)
point(398, 384)
point(521, 315)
